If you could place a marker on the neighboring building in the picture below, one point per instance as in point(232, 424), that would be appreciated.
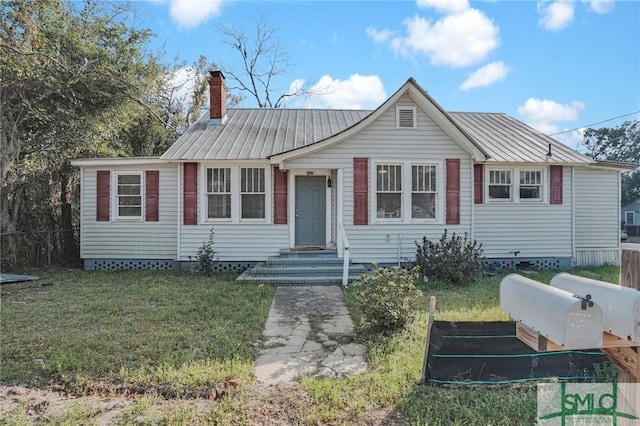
point(272, 179)
point(630, 214)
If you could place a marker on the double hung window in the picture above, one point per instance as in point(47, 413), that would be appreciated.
point(530, 185)
point(500, 187)
point(252, 193)
point(236, 193)
point(423, 192)
point(517, 184)
point(129, 195)
point(406, 191)
point(219, 193)
point(389, 190)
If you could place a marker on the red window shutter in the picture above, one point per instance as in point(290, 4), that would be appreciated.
point(478, 183)
point(453, 191)
point(556, 184)
point(103, 197)
point(279, 196)
point(360, 191)
point(190, 190)
point(152, 189)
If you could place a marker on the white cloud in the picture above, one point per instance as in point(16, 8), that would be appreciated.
point(445, 6)
point(545, 115)
point(191, 13)
point(600, 6)
point(356, 92)
point(557, 15)
point(456, 40)
point(485, 76)
point(379, 36)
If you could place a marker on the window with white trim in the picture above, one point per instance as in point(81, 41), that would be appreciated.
point(423, 191)
point(389, 191)
point(630, 217)
point(128, 195)
point(218, 193)
point(405, 117)
point(252, 193)
point(530, 185)
point(500, 187)
point(516, 184)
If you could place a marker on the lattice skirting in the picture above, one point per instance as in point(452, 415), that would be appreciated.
point(534, 263)
point(158, 265)
point(501, 264)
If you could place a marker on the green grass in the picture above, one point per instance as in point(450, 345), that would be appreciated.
point(140, 328)
point(191, 334)
point(396, 365)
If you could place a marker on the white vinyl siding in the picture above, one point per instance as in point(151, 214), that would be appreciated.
point(130, 239)
point(239, 239)
point(534, 229)
point(383, 143)
point(597, 211)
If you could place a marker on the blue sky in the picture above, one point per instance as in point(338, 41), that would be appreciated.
point(556, 65)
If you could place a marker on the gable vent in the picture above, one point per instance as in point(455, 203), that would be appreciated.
point(406, 118)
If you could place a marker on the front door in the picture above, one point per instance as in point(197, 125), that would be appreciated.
point(310, 210)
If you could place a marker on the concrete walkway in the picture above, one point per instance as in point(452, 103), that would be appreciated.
point(302, 332)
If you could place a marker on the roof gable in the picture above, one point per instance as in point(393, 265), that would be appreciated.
point(422, 100)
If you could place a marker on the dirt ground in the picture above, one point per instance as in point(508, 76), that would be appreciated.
point(280, 405)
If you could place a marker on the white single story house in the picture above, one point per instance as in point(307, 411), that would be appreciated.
point(374, 182)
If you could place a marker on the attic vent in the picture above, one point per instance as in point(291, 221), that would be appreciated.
point(406, 117)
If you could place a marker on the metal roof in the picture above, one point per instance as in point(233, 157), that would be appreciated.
point(508, 140)
point(259, 133)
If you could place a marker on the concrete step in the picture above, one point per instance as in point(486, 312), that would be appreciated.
point(301, 267)
point(246, 277)
point(286, 260)
point(304, 269)
point(308, 253)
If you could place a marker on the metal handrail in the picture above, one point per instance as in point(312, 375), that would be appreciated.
point(346, 254)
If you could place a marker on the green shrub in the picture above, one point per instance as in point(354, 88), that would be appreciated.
point(456, 260)
point(388, 299)
point(206, 256)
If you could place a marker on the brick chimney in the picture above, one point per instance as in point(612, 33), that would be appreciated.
point(217, 97)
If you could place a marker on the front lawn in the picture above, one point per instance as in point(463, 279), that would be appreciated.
point(142, 329)
point(184, 345)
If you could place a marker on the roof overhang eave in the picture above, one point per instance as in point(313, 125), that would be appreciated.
point(117, 161)
point(620, 165)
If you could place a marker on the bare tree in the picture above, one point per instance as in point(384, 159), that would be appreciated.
point(264, 61)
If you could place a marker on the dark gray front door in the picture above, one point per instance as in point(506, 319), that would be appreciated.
point(310, 210)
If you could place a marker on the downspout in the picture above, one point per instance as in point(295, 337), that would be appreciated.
point(82, 218)
point(573, 216)
point(472, 225)
point(340, 210)
point(179, 213)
